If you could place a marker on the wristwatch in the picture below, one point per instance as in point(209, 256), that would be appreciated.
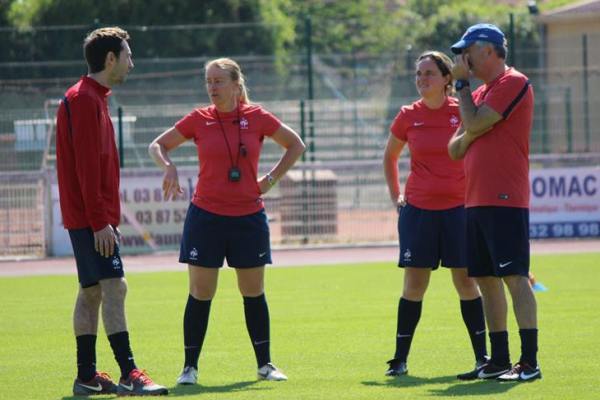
point(460, 84)
point(270, 179)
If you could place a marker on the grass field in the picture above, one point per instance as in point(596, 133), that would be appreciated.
point(332, 331)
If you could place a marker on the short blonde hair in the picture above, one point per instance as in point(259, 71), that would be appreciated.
point(235, 73)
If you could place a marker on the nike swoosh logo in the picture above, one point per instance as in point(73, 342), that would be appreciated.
point(208, 123)
point(419, 123)
point(261, 342)
point(502, 265)
point(483, 375)
point(480, 332)
point(526, 376)
point(401, 336)
point(97, 388)
point(262, 254)
point(128, 387)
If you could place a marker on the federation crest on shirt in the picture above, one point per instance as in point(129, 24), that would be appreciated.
point(454, 121)
point(243, 123)
point(116, 263)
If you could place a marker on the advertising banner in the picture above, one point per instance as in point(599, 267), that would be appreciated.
point(565, 202)
point(147, 221)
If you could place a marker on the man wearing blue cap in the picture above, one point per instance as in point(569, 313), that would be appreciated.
point(494, 141)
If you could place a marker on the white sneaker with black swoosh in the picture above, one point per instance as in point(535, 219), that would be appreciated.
point(189, 376)
point(491, 371)
point(474, 374)
point(521, 372)
point(101, 383)
point(269, 372)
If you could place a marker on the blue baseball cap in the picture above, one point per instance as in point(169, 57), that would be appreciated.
point(479, 32)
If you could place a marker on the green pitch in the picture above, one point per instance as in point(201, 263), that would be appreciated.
point(332, 331)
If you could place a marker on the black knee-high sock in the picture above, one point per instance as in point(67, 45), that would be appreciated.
point(499, 345)
point(86, 357)
point(119, 342)
point(529, 346)
point(195, 322)
point(257, 322)
point(472, 314)
point(409, 313)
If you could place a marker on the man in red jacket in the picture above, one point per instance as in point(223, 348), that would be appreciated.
point(88, 182)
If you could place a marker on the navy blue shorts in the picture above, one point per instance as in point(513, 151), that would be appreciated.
point(431, 237)
point(208, 239)
point(497, 241)
point(91, 266)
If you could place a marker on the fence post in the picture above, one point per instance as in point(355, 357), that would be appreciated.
point(511, 40)
point(303, 127)
point(586, 94)
point(544, 107)
point(569, 120)
point(311, 96)
point(121, 151)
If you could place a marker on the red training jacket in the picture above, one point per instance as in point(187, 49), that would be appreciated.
point(87, 159)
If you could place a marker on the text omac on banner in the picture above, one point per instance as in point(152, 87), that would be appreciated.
point(565, 202)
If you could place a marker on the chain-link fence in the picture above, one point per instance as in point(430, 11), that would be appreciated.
point(337, 194)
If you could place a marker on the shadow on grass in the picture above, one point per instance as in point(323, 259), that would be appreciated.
point(410, 381)
point(459, 388)
point(188, 390)
point(479, 387)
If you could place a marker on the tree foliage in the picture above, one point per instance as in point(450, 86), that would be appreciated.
point(447, 25)
point(357, 26)
point(267, 27)
point(254, 26)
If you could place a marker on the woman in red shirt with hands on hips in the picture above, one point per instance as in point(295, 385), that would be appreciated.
point(226, 219)
point(431, 223)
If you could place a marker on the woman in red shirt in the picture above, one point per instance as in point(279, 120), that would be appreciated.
point(431, 223)
point(226, 218)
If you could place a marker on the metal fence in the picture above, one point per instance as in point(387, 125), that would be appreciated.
point(339, 186)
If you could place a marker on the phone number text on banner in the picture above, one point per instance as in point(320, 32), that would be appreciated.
point(565, 202)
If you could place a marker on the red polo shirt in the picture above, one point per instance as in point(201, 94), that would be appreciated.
point(214, 192)
point(435, 182)
point(87, 161)
point(497, 163)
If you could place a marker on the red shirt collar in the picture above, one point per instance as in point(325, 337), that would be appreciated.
point(102, 91)
point(496, 79)
point(234, 113)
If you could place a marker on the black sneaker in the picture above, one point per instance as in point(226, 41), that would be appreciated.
point(474, 374)
point(101, 383)
point(491, 370)
point(396, 368)
point(521, 372)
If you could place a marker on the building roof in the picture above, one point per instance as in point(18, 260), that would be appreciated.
point(588, 9)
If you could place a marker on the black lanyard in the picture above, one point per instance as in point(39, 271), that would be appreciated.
point(240, 145)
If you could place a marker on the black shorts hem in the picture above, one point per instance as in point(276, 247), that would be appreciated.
point(495, 275)
point(418, 266)
point(214, 266)
point(200, 264)
point(250, 266)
